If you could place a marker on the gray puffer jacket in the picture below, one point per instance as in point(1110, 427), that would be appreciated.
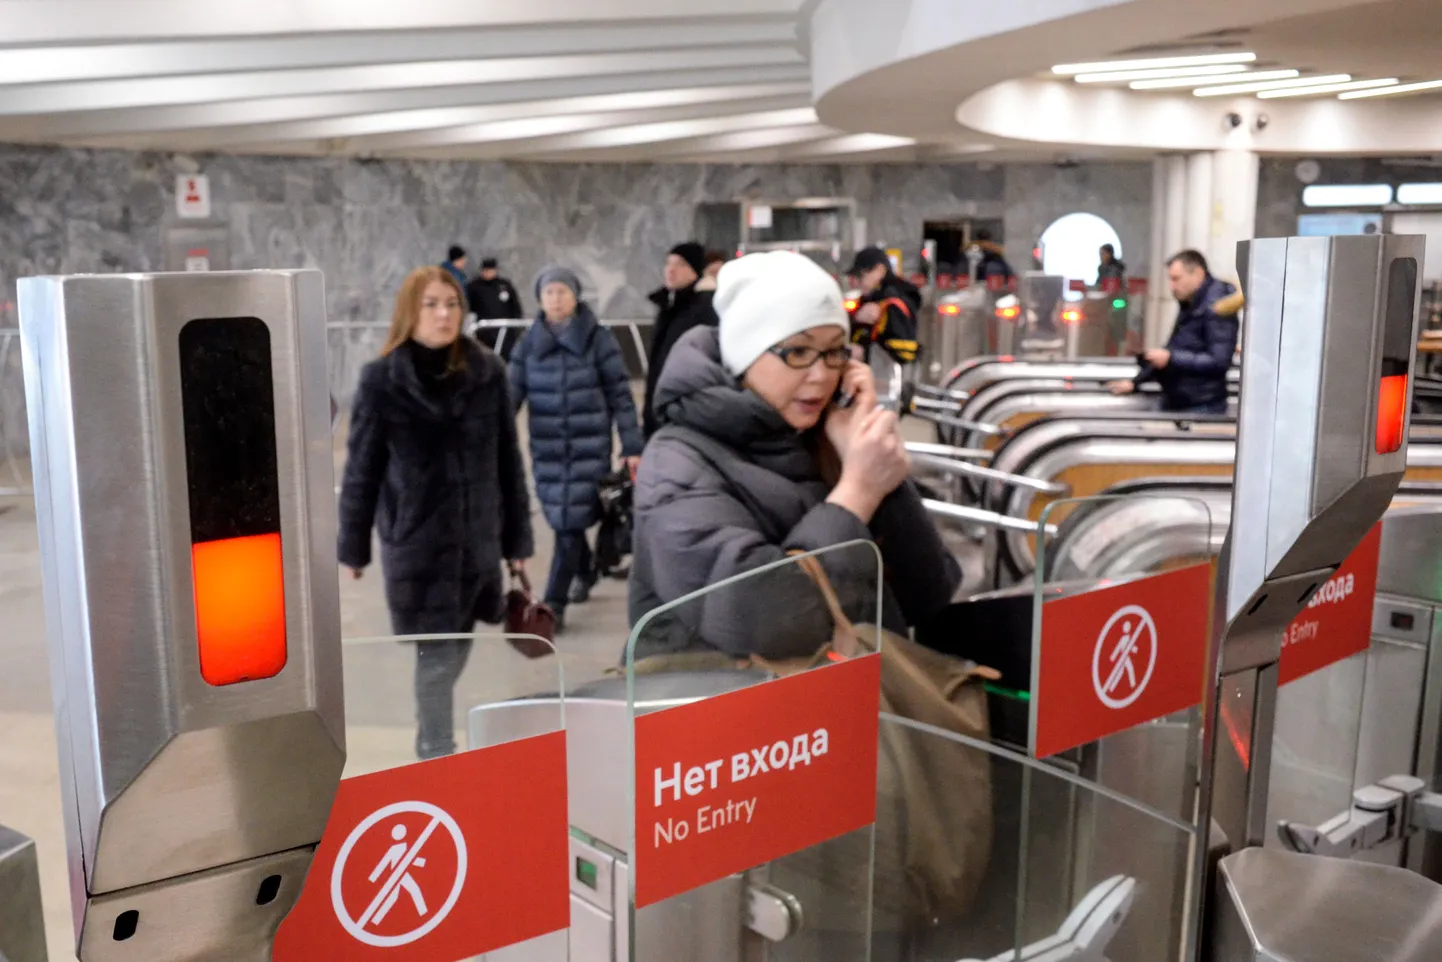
point(744, 495)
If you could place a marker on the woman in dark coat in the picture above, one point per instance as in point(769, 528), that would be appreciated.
point(571, 371)
point(434, 464)
point(744, 471)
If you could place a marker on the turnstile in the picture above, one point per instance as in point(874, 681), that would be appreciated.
point(726, 921)
point(180, 429)
point(22, 924)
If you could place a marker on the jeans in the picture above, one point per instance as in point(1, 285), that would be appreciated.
point(438, 665)
point(571, 560)
point(1207, 407)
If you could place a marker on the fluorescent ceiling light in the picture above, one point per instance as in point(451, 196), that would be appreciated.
point(1399, 89)
point(1347, 195)
point(1256, 87)
point(1121, 76)
point(1250, 76)
point(1153, 63)
point(1419, 194)
point(1327, 88)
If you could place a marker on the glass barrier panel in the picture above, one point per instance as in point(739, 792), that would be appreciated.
point(411, 697)
point(1122, 598)
point(1038, 888)
point(753, 709)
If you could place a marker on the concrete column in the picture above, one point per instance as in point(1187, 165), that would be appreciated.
point(1234, 208)
point(1198, 230)
point(1169, 211)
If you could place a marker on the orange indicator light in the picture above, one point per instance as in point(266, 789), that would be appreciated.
point(240, 608)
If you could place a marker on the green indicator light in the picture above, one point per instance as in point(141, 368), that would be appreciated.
point(1118, 304)
point(1011, 693)
point(586, 873)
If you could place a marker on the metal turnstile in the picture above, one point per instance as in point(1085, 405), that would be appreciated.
point(184, 494)
point(1321, 449)
point(727, 921)
point(22, 923)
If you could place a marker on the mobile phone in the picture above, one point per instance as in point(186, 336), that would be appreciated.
point(842, 399)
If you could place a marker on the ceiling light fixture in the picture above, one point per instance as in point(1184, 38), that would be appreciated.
point(1347, 195)
point(1153, 63)
point(1388, 92)
point(1419, 194)
point(1327, 88)
point(1121, 76)
point(1255, 87)
point(1251, 76)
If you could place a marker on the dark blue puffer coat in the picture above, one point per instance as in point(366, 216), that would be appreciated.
point(575, 380)
point(1202, 345)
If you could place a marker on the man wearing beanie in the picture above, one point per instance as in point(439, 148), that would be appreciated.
point(455, 264)
point(681, 307)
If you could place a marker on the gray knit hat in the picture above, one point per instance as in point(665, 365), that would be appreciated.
point(556, 274)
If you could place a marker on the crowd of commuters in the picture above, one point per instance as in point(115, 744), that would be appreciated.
point(741, 452)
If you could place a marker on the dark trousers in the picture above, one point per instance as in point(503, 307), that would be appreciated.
point(572, 560)
point(438, 666)
point(1207, 407)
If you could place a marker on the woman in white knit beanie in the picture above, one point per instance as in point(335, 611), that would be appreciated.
point(760, 455)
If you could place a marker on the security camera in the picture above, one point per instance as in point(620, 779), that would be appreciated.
point(1261, 122)
point(1233, 120)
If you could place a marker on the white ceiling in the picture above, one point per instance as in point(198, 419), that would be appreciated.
point(622, 80)
point(539, 79)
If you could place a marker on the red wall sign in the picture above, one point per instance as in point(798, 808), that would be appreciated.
point(440, 860)
point(1117, 657)
point(1337, 622)
point(734, 781)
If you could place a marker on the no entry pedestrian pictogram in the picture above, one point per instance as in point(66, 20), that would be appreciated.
point(1125, 656)
point(399, 874)
point(440, 860)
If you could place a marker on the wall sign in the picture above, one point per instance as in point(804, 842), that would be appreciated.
point(192, 195)
point(730, 782)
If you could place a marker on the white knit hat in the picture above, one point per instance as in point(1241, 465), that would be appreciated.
point(762, 299)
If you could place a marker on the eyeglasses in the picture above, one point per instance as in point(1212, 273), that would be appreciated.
point(800, 358)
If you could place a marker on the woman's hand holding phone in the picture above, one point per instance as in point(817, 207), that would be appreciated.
point(855, 398)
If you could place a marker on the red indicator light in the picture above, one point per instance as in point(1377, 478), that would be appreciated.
point(1071, 316)
point(1006, 358)
point(949, 309)
point(850, 306)
point(1391, 412)
point(1008, 313)
point(239, 608)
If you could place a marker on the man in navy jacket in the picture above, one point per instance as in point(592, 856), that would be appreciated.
point(1192, 368)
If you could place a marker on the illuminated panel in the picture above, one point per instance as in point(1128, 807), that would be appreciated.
point(1396, 353)
point(230, 454)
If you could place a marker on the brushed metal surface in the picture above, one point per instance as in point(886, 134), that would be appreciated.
point(1282, 907)
point(165, 776)
point(211, 916)
point(22, 919)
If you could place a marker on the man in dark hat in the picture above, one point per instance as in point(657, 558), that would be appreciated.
point(493, 298)
point(455, 263)
point(681, 307)
point(887, 311)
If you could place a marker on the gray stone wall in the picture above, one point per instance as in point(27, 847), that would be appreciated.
point(366, 223)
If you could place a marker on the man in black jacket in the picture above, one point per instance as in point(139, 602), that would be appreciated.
point(1192, 368)
point(888, 308)
point(681, 308)
point(493, 298)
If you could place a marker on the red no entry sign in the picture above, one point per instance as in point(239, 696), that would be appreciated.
point(734, 781)
point(1337, 622)
point(1116, 657)
point(440, 860)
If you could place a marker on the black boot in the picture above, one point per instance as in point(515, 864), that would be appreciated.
point(581, 590)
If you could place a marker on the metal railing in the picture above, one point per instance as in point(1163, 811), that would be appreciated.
point(14, 436)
